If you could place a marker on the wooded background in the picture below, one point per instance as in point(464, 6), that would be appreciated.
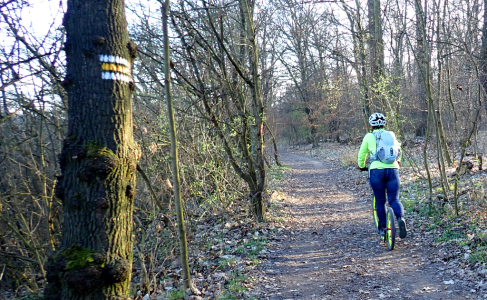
point(247, 76)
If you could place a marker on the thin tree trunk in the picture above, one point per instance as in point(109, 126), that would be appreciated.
point(421, 61)
point(376, 49)
point(258, 112)
point(276, 155)
point(358, 38)
point(423, 57)
point(483, 54)
point(462, 154)
point(425, 160)
point(174, 154)
point(441, 145)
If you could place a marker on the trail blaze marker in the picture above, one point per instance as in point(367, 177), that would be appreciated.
point(115, 68)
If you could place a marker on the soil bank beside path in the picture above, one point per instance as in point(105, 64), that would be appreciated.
point(329, 248)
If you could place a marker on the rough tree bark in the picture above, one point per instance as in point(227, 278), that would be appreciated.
point(99, 156)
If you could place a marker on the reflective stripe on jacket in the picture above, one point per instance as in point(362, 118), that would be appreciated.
point(367, 149)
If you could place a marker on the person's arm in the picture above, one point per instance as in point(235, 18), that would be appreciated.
point(400, 156)
point(362, 153)
point(400, 150)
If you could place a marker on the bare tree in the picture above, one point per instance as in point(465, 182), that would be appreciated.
point(226, 84)
point(31, 123)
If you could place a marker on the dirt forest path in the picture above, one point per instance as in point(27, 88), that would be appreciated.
point(329, 249)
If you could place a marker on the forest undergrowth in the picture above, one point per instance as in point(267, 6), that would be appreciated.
point(226, 244)
point(225, 248)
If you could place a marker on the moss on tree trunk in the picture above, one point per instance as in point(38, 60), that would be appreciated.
point(99, 157)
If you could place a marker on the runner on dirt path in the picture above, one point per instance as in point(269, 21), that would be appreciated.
point(382, 176)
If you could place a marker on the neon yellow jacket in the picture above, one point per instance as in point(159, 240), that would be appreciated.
point(367, 149)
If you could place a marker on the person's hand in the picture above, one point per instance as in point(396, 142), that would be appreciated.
point(400, 165)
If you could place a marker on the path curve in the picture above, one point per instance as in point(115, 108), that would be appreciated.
point(329, 249)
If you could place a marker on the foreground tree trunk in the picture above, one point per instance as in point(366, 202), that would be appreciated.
point(99, 157)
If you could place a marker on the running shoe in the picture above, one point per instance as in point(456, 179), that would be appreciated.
point(382, 234)
point(403, 231)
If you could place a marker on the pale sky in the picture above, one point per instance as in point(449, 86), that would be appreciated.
point(41, 13)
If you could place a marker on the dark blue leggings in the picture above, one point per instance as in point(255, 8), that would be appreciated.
point(380, 181)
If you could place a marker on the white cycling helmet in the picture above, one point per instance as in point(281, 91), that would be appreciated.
point(377, 119)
